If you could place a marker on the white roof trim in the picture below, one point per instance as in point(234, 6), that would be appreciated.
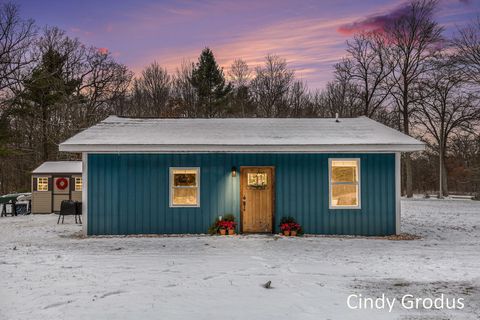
point(241, 149)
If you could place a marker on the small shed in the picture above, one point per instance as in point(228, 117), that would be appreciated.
point(163, 176)
point(53, 182)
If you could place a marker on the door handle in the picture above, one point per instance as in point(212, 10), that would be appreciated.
point(244, 203)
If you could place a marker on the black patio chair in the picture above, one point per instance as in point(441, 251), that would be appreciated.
point(78, 207)
point(69, 208)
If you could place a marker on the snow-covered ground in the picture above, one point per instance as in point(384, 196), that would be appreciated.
point(48, 271)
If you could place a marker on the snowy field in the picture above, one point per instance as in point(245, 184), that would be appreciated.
point(48, 271)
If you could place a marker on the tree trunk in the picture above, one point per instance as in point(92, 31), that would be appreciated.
point(442, 178)
point(403, 177)
point(408, 159)
point(445, 176)
point(445, 181)
point(440, 172)
point(408, 175)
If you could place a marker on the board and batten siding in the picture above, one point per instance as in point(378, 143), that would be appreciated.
point(129, 193)
point(42, 202)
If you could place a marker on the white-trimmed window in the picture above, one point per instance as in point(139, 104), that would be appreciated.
point(78, 183)
point(42, 184)
point(184, 187)
point(344, 183)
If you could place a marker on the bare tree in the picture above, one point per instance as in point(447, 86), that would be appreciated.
point(185, 98)
point(467, 45)
point(341, 96)
point(446, 108)
point(299, 99)
point(316, 106)
point(271, 85)
point(465, 150)
point(103, 82)
point(16, 37)
point(152, 92)
point(413, 39)
point(369, 68)
point(239, 73)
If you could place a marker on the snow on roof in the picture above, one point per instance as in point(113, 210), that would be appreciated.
point(118, 134)
point(59, 167)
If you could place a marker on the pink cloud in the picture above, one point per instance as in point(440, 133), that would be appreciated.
point(103, 50)
point(379, 21)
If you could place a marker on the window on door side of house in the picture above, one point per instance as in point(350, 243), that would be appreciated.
point(184, 187)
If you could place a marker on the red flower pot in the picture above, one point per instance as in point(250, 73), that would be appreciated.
point(223, 232)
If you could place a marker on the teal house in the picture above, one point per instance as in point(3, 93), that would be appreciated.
point(175, 176)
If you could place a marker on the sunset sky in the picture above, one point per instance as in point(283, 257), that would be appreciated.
point(310, 34)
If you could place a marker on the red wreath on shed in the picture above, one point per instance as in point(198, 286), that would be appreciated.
point(62, 183)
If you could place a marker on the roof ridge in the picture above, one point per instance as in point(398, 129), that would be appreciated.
point(229, 118)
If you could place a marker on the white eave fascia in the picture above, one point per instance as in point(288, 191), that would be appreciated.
point(150, 148)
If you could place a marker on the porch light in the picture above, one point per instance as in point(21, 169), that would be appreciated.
point(234, 171)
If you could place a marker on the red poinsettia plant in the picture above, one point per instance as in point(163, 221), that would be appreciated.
point(295, 226)
point(227, 225)
point(285, 226)
point(223, 224)
point(288, 224)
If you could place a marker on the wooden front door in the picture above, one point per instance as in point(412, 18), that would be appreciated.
point(257, 190)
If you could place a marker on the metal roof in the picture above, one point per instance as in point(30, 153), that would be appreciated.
point(118, 134)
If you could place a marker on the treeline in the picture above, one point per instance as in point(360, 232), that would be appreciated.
point(405, 74)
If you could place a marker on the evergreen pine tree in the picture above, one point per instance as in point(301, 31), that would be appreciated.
point(44, 90)
point(209, 82)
